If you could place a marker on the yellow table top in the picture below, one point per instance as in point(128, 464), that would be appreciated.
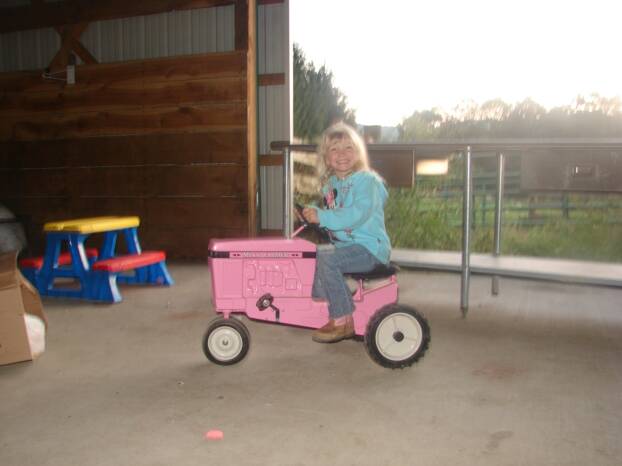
point(92, 224)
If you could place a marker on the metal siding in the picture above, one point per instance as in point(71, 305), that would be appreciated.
point(271, 178)
point(28, 50)
point(273, 116)
point(273, 105)
point(276, 43)
point(176, 33)
point(276, 115)
point(226, 36)
point(261, 39)
point(163, 35)
point(263, 206)
point(262, 132)
point(271, 46)
point(271, 206)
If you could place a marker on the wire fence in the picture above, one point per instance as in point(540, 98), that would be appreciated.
point(520, 208)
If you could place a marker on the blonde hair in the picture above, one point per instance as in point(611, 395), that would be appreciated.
point(339, 131)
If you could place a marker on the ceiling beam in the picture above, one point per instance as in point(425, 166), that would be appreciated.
point(55, 14)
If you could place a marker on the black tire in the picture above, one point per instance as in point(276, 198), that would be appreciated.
point(226, 341)
point(397, 336)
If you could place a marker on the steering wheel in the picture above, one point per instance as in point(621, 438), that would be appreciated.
point(299, 208)
point(321, 231)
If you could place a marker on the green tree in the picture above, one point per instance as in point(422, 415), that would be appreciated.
point(317, 102)
point(421, 126)
point(594, 116)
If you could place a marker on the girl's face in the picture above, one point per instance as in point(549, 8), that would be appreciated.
point(341, 156)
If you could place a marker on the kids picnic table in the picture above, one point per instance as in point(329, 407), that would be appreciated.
point(68, 269)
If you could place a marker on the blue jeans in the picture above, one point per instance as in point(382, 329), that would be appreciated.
point(329, 282)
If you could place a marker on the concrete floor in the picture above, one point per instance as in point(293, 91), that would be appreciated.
point(531, 377)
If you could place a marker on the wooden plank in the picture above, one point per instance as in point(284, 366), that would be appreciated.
point(89, 206)
point(271, 160)
point(8, 184)
point(150, 150)
point(20, 155)
point(127, 182)
point(52, 182)
point(196, 66)
point(189, 243)
point(105, 98)
point(209, 182)
point(196, 148)
point(130, 74)
point(185, 212)
point(75, 182)
point(273, 79)
point(196, 117)
point(121, 152)
point(37, 211)
point(124, 122)
point(195, 92)
point(75, 11)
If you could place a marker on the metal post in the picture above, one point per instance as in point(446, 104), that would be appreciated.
point(498, 216)
point(466, 233)
point(288, 192)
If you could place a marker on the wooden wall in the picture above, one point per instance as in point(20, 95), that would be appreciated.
point(164, 139)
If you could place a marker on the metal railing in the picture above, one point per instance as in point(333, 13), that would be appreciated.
point(468, 149)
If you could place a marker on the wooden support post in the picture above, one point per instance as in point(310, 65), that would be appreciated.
point(68, 35)
point(250, 6)
point(242, 26)
point(79, 49)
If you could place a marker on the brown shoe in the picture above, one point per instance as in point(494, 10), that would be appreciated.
point(332, 333)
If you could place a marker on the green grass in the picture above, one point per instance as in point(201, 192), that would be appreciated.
point(591, 229)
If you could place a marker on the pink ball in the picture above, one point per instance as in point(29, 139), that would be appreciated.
point(214, 435)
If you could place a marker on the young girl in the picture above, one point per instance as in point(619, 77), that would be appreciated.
point(354, 198)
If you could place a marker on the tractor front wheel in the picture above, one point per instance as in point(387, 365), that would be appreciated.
point(226, 341)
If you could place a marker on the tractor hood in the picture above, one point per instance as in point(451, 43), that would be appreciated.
point(261, 248)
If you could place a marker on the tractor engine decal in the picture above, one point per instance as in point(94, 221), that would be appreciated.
point(279, 278)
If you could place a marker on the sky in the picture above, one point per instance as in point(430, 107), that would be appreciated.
point(393, 57)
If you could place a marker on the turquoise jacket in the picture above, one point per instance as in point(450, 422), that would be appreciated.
point(354, 212)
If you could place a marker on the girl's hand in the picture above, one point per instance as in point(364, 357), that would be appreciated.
point(310, 215)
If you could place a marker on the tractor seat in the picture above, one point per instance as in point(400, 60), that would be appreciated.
point(381, 271)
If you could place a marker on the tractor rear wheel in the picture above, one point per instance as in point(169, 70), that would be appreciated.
point(397, 336)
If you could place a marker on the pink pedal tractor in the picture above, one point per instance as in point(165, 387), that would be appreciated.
point(270, 279)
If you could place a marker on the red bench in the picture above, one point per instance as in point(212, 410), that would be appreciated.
point(129, 261)
point(64, 258)
point(147, 267)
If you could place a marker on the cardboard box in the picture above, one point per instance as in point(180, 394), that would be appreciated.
point(17, 296)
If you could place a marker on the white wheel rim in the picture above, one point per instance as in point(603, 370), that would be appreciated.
point(225, 343)
point(398, 336)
